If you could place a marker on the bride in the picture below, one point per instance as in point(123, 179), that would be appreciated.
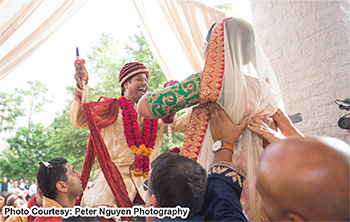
point(237, 75)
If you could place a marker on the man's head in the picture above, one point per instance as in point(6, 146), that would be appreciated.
point(305, 179)
point(11, 181)
point(17, 202)
point(57, 177)
point(4, 179)
point(8, 197)
point(26, 182)
point(133, 79)
point(15, 184)
point(176, 181)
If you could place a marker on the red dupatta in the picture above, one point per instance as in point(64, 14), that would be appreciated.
point(210, 89)
point(99, 115)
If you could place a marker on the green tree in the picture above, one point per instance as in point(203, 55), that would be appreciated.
point(228, 8)
point(26, 149)
point(36, 96)
point(106, 63)
point(138, 50)
point(69, 141)
point(28, 145)
point(10, 110)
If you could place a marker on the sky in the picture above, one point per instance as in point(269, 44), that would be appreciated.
point(53, 62)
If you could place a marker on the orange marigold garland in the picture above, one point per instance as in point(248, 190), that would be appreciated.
point(143, 146)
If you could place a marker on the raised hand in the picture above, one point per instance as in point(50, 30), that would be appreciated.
point(81, 76)
point(285, 124)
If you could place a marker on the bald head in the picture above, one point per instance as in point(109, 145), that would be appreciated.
point(305, 178)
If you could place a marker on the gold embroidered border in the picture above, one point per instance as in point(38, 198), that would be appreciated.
point(211, 84)
point(214, 66)
point(230, 165)
point(220, 167)
point(195, 132)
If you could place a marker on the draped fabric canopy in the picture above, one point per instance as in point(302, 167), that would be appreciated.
point(177, 27)
point(26, 25)
point(171, 27)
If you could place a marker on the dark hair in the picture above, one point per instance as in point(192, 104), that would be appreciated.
point(4, 194)
point(13, 199)
point(123, 88)
point(178, 181)
point(8, 197)
point(48, 176)
point(207, 39)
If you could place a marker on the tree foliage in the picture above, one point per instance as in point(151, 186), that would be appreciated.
point(10, 110)
point(36, 96)
point(26, 149)
point(228, 8)
point(105, 64)
point(70, 141)
point(138, 50)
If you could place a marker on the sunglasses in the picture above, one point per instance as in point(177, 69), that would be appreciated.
point(145, 185)
point(47, 165)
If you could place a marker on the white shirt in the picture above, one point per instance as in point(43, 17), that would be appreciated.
point(33, 189)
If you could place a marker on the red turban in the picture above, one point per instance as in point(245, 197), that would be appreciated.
point(131, 69)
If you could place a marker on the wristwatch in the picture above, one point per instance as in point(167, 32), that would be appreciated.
point(219, 145)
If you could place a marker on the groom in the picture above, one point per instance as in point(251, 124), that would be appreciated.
point(123, 142)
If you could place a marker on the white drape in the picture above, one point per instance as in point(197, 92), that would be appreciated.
point(25, 25)
point(177, 27)
point(249, 87)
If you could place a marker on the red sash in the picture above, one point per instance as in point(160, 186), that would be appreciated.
point(99, 115)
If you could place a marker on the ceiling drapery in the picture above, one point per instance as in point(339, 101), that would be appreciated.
point(177, 27)
point(171, 27)
point(25, 25)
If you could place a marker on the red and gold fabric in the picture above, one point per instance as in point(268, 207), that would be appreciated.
point(211, 84)
point(131, 69)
